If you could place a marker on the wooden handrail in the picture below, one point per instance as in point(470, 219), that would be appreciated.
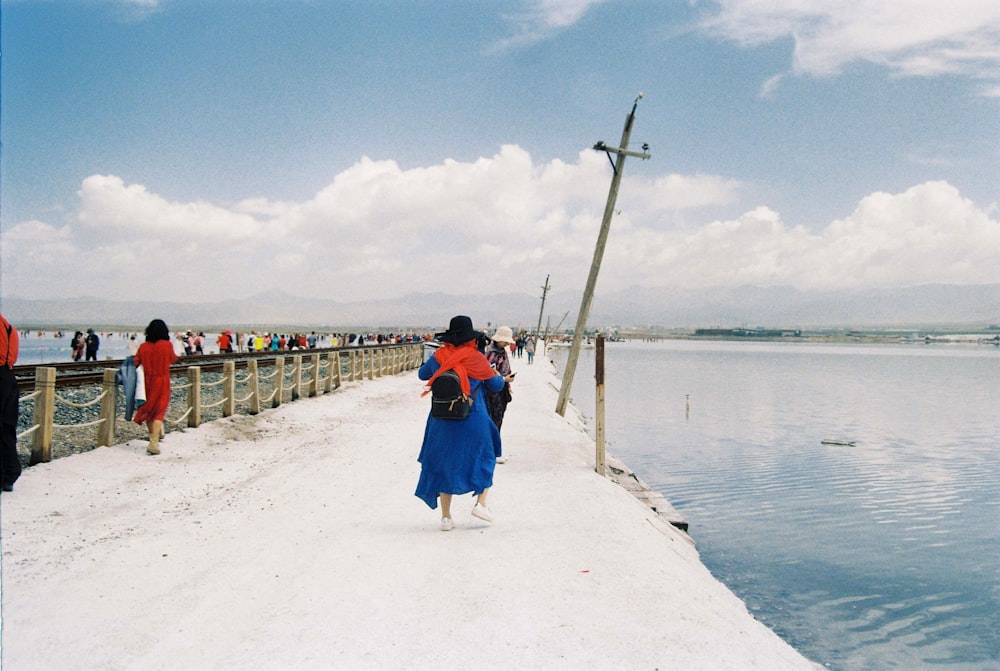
point(321, 376)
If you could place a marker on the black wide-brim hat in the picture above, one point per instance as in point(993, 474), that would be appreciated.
point(459, 331)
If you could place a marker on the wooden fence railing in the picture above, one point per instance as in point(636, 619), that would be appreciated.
point(311, 374)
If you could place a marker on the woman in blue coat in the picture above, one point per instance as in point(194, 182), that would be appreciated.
point(457, 455)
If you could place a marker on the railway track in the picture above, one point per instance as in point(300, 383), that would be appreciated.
point(80, 373)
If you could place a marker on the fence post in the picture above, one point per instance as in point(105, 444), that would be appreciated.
point(254, 387)
point(296, 376)
point(371, 364)
point(109, 407)
point(194, 396)
point(279, 381)
point(331, 360)
point(314, 380)
point(335, 362)
point(599, 443)
point(229, 388)
point(45, 408)
point(353, 364)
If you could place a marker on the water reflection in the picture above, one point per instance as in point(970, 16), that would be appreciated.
point(880, 555)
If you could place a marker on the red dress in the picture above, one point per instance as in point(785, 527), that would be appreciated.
point(155, 359)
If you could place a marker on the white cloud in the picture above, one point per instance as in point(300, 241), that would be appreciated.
point(494, 225)
point(135, 11)
point(540, 19)
point(562, 13)
point(110, 209)
point(927, 234)
point(910, 37)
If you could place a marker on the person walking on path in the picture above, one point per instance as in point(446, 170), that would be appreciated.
point(93, 343)
point(529, 347)
point(458, 455)
point(496, 402)
point(155, 356)
point(10, 398)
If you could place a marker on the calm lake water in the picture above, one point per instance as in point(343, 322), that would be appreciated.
point(881, 555)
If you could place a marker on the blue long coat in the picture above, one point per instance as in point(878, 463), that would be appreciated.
point(458, 455)
point(128, 378)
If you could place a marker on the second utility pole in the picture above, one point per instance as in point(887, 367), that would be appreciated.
point(588, 294)
point(545, 291)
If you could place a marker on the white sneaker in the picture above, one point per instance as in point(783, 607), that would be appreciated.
point(501, 460)
point(447, 524)
point(482, 512)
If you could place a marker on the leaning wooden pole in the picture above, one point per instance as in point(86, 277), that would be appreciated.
point(595, 266)
point(545, 291)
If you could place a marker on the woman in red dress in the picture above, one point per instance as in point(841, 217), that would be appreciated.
point(155, 356)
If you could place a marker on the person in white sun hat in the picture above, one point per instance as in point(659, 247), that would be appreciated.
point(498, 355)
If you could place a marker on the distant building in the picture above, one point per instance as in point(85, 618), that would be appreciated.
point(749, 333)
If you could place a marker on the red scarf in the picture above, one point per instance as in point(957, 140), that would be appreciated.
point(465, 360)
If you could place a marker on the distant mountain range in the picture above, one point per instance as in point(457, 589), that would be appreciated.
point(772, 307)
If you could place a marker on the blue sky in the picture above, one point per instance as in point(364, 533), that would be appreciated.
point(354, 150)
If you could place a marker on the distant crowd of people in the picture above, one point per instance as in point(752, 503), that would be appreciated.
point(85, 345)
point(258, 342)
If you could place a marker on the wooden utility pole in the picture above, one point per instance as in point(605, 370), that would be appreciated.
point(545, 291)
point(595, 267)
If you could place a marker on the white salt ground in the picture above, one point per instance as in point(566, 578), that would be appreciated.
point(293, 540)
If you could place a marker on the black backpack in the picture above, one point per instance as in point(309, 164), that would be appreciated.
point(447, 399)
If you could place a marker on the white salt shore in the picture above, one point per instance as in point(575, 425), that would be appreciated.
point(293, 540)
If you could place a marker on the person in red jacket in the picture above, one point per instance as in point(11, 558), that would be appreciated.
point(155, 356)
point(225, 342)
point(10, 397)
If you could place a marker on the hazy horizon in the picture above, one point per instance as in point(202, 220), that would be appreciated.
point(927, 306)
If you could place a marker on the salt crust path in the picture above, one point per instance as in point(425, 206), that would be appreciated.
point(292, 540)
